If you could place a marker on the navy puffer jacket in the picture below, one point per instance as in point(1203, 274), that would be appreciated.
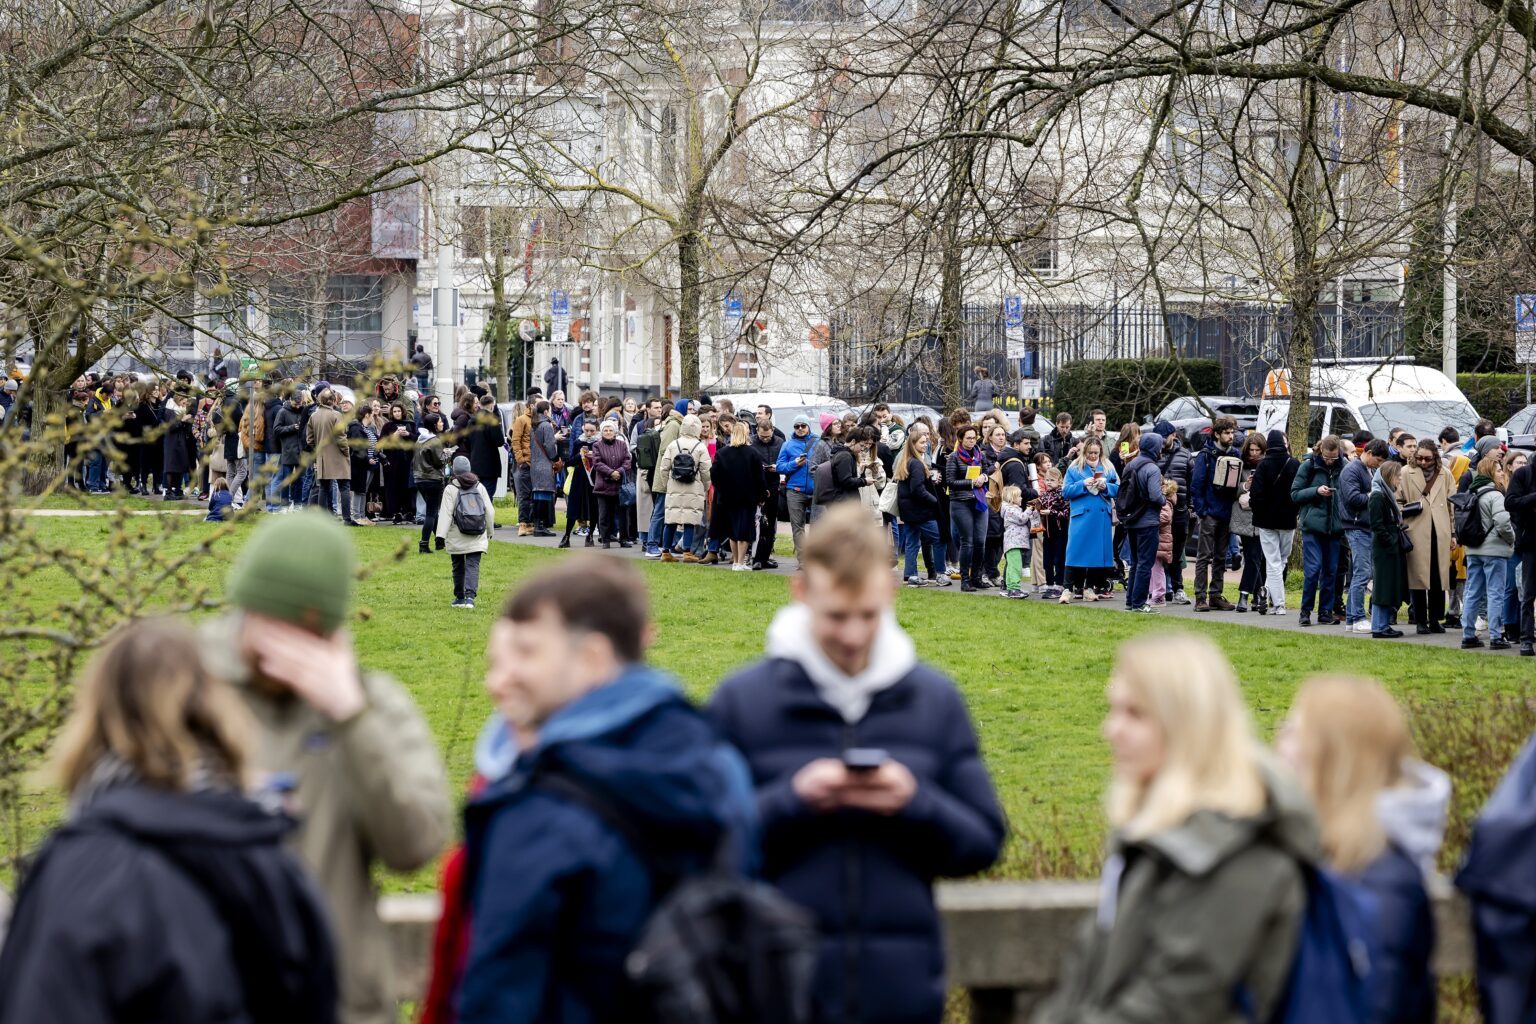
point(868, 879)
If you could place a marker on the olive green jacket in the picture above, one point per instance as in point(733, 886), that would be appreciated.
point(1204, 910)
point(368, 790)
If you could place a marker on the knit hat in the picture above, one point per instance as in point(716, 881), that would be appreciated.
point(1163, 428)
point(1276, 441)
point(1483, 447)
point(460, 465)
point(827, 419)
point(681, 406)
point(802, 418)
point(298, 569)
point(11, 385)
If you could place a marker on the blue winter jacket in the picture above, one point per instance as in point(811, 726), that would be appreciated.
point(558, 897)
point(1202, 496)
point(1146, 477)
point(1402, 984)
point(868, 879)
point(797, 478)
point(1355, 495)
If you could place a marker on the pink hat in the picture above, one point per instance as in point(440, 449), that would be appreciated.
point(826, 420)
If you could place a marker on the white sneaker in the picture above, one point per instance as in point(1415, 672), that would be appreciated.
point(1482, 624)
point(1179, 597)
point(1363, 626)
point(1277, 610)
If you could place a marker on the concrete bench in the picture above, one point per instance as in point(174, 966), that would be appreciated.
point(1004, 939)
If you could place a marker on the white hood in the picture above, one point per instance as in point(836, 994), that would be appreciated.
point(894, 656)
point(1413, 812)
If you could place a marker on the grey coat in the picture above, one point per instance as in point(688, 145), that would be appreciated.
point(1204, 908)
point(545, 451)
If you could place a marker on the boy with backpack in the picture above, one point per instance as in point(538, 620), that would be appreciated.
point(601, 856)
point(464, 523)
point(1212, 490)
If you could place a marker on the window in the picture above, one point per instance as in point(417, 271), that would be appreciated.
point(1199, 157)
point(1315, 422)
point(226, 313)
point(472, 231)
point(287, 311)
point(354, 313)
point(667, 147)
point(1344, 423)
point(176, 334)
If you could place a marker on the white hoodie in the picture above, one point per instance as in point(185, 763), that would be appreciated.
point(1413, 812)
point(893, 656)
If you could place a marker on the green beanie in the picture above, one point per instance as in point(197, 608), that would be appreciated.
point(296, 568)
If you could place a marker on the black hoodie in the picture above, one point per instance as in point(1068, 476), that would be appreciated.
point(159, 906)
point(1269, 493)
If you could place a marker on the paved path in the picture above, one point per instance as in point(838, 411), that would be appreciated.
point(1288, 623)
point(76, 513)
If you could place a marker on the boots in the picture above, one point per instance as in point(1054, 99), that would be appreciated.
point(423, 548)
point(1242, 602)
point(525, 529)
point(1261, 603)
point(712, 558)
point(565, 542)
point(589, 539)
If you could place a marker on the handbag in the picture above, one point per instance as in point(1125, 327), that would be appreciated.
point(1404, 542)
point(627, 491)
point(1412, 509)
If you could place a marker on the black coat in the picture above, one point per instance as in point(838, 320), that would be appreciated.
point(1402, 984)
point(868, 879)
point(229, 413)
point(178, 444)
point(916, 500)
point(160, 906)
point(357, 449)
point(1520, 503)
point(737, 476)
point(271, 442)
point(289, 427)
point(484, 444)
point(1269, 493)
point(1016, 473)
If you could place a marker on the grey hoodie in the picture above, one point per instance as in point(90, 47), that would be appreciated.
point(893, 656)
point(1413, 813)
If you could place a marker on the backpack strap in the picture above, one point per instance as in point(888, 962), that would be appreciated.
point(562, 785)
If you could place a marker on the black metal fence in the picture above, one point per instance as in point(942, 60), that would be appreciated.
point(1248, 340)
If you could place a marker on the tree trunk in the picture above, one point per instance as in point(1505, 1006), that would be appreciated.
point(500, 328)
point(952, 286)
point(1305, 206)
point(688, 303)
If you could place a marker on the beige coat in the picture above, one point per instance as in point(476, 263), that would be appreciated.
point(325, 435)
point(1436, 516)
point(685, 502)
point(456, 543)
point(369, 790)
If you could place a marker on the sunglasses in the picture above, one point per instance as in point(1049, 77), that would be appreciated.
point(801, 426)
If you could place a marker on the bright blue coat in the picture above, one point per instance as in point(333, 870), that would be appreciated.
point(558, 897)
point(1090, 537)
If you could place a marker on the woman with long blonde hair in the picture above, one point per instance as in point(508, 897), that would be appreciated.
point(166, 895)
point(1203, 892)
point(1382, 813)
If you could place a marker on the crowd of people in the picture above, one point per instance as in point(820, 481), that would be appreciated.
point(235, 788)
point(1439, 532)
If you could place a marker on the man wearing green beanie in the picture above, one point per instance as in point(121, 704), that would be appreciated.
point(346, 750)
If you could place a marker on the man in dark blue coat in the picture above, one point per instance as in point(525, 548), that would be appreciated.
point(1141, 502)
point(1212, 506)
point(558, 892)
point(869, 782)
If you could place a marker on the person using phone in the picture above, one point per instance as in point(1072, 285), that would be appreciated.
point(864, 759)
point(1321, 516)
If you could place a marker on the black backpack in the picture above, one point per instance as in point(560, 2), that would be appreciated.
point(685, 469)
point(1129, 501)
point(647, 447)
point(469, 512)
point(718, 948)
point(1467, 518)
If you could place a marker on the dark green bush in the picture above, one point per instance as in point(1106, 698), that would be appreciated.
point(1494, 395)
point(1129, 390)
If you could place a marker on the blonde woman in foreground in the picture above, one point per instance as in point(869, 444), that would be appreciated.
point(1202, 892)
point(165, 895)
point(1382, 813)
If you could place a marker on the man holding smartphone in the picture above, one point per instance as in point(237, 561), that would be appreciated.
point(1320, 514)
point(869, 782)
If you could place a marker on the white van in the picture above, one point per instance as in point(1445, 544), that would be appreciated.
point(1350, 395)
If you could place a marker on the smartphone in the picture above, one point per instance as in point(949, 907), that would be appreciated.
point(864, 759)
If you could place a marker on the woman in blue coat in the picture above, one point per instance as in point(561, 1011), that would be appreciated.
point(1090, 487)
point(1382, 813)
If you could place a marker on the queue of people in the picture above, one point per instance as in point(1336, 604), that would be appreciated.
point(234, 790)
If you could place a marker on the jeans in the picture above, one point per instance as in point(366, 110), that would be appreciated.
point(970, 525)
point(307, 486)
point(1485, 584)
point(466, 576)
point(1143, 553)
point(96, 471)
point(1320, 569)
point(1211, 559)
point(1512, 592)
point(1360, 574)
point(798, 502)
point(431, 492)
point(658, 518)
point(1381, 617)
point(267, 472)
point(1277, 554)
point(670, 534)
point(333, 498)
point(912, 536)
point(293, 490)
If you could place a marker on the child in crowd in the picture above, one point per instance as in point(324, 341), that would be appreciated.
point(219, 501)
point(1055, 517)
point(1159, 591)
point(1017, 522)
point(465, 521)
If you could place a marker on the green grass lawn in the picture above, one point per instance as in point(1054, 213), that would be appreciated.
point(1033, 673)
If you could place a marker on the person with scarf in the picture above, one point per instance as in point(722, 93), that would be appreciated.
point(1488, 560)
point(866, 765)
point(1389, 563)
point(966, 473)
point(427, 463)
point(1425, 488)
point(166, 895)
point(1090, 486)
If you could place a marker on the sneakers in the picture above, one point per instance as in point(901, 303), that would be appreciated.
point(1327, 620)
point(1363, 626)
point(1179, 597)
point(1202, 606)
point(966, 587)
point(1306, 619)
point(458, 602)
point(653, 552)
point(1528, 650)
point(952, 573)
point(1276, 609)
point(942, 581)
point(1145, 609)
point(1014, 595)
point(915, 581)
point(1498, 643)
point(741, 567)
point(1481, 624)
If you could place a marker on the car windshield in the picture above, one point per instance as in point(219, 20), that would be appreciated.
point(1421, 418)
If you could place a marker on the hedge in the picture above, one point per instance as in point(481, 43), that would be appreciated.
point(1497, 396)
point(1130, 390)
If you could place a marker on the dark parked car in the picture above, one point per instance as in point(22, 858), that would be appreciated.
point(1190, 418)
point(1521, 428)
